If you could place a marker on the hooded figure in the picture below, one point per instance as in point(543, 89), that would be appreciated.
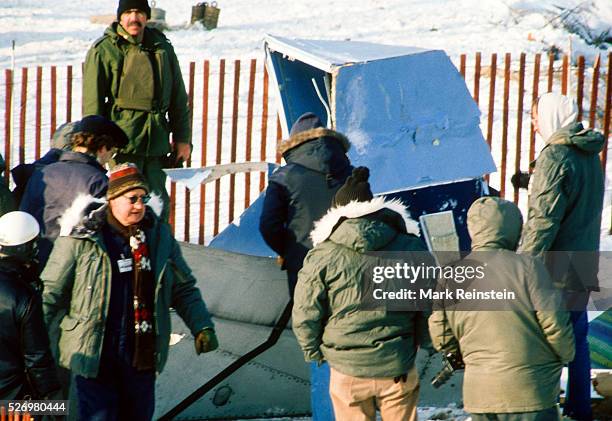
point(300, 192)
point(61, 141)
point(513, 358)
point(564, 215)
point(371, 352)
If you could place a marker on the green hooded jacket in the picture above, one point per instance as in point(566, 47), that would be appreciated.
point(513, 359)
point(139, 87)
point(327, 320)
point(566, 199)
point(77, 288)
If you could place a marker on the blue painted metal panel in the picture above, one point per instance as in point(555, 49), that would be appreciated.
point(243, 236)
point(298, 94)
point(457, 197)
point(412, 121)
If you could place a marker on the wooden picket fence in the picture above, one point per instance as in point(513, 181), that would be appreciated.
point(251, 129)
point(14, 416)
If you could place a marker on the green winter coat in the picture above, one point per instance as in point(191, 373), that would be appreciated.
point(513, 359)
point(566, 199)
point(147, 102)
point(77, 287)
point(327, 321)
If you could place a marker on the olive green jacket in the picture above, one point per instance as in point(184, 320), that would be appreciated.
point(77, 287)
point(140, 87)
point(513, 359)
point(566, 201)
point(327, 319)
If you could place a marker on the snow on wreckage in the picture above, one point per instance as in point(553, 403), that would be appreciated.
point(412, 121)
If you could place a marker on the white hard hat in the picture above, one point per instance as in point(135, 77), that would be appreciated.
point(17, 228)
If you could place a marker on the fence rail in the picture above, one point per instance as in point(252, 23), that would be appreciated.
point(233, 122)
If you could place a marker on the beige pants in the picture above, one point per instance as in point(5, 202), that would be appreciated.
point(357, 398)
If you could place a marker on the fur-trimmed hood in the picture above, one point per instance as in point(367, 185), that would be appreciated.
point(325, 226)
point(312, 134)
point(87, 214)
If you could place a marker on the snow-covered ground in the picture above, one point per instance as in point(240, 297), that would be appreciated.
point(59, 31)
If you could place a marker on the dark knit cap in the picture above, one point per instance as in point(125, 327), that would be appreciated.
point(142, 5)
point(306, 121)
point(123, 178)
point(355, 188)
point(98, 126)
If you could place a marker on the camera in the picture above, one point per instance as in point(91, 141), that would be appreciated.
point(451, 362)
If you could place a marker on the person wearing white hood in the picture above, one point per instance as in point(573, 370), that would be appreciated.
point(564, 217)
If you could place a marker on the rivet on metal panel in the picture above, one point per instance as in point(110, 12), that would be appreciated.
point(222, 395)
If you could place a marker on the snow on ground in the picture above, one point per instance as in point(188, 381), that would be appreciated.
point(59, 31)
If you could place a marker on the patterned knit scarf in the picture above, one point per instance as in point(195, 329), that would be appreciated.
point(143, 286)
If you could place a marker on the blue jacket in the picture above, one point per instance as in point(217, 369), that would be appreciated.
point(300, 193)
point(53, 188)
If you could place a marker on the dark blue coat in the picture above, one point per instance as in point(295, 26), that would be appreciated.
point(23, 172)
point(53, 188)
point(299, 194)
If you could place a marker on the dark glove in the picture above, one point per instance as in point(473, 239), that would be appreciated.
point(520, 180)
point(206, 341)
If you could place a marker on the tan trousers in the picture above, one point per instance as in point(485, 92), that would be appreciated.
point(357, 398)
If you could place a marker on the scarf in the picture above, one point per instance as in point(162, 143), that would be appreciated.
point(143, 287)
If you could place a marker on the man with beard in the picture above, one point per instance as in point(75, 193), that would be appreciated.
point(132, 77)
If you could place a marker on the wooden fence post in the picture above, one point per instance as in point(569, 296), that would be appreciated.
point(22, 114)
point(219, 143)
point(205, 78)
point(519, 122)
point(8, 107)
point(234, 145)
point(249, 132)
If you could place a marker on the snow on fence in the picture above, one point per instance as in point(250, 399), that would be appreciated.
point(249, 130)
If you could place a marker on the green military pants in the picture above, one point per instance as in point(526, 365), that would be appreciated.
point(550, 414)
point(152, 170)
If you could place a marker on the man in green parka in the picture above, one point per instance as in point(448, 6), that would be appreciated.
point(371, 352)
point(564, 223)
point(7, 203)
point(514, 357)
point(132, 77)
point(109, 283)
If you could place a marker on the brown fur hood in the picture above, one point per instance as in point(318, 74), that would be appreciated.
point(312, 134)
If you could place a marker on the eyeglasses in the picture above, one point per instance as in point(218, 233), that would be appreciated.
point(143, 198)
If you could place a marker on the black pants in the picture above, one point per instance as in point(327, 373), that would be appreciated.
point(120, 392)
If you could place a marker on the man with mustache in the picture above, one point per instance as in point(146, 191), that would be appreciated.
point(132, 77)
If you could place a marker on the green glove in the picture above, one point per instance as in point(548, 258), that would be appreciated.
point(206, 341)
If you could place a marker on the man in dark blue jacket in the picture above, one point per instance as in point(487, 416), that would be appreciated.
point(53, 188)
point(300, 192)
point(61, 141)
